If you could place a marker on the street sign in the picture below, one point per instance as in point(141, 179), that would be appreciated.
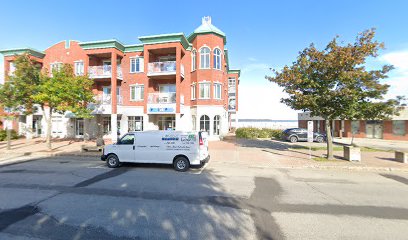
point(310, 131)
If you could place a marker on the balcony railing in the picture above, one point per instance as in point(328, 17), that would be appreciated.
point(103, 71)
point(107, 99)
point(162, 68)
point(161, 98)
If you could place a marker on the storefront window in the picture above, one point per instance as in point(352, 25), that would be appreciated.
point(398, 127)
point(135, 123)
point(205, 124)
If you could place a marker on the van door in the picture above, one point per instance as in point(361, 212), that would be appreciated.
point(125, 148)
point(146, 145)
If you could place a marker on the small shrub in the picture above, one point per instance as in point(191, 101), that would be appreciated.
point(252, 133)
point(3, 135)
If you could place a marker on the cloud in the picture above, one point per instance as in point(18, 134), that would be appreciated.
point(398, 78)
point(252, 59)
point(263, 102)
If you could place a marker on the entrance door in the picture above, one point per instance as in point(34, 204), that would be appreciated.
point(36, 126)
point(167, 123)
point(79, 127)
point(374, 129)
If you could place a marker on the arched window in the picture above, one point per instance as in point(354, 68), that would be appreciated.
point(205, 58)
point(217, 120)
point(217, 58)
point(193, 60)
point(205, 124)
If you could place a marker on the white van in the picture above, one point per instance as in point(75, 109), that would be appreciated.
point(182, 149)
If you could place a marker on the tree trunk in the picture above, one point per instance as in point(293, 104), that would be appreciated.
point(8, 138)
point(49, 125)
point(329, 140)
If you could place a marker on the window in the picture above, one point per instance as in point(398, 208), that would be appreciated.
point(128, 139)
point(204, 90)
point(205, 124)
point(217, 90)
point(12, 69)
point(193, 60)
point(193, 118)
point(136, 64)
point(106, 124)
point(135, 123)
point(55, 67)
point(193, 92)
point(355, 127)
point(398, 127)
point(79, 68)
point(217, 58)
point(205, 58)
point(137, 93)
point(217, 125)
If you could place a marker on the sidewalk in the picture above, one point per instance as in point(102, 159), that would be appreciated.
point(38, 148)
point(389, 145)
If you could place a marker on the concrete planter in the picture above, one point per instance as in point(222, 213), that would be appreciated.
point(401, 157)
point(352, 153)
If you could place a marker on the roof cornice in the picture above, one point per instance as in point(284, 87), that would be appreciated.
point(19, 51)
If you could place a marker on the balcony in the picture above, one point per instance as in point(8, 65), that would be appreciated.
point(161, 98)
point(96, 72)
point(161, 103)
point(107, 99)
point(161, 68)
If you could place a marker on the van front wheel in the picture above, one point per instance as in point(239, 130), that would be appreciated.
point(181, 164)
point(112, 161)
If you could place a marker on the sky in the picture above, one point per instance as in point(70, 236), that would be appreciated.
point(260, 34)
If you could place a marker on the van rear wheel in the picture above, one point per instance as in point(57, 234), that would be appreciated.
point(181, 164)
point(112, 161)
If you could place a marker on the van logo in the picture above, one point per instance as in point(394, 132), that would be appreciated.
point(188, 138)
point(170, 138)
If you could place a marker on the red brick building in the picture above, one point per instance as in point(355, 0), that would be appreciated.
point(166, 81)
point(394, 129)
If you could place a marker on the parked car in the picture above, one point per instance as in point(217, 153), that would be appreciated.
point(182, 149)
point(300, 134)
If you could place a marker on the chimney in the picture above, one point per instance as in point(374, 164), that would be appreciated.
point(206, 20)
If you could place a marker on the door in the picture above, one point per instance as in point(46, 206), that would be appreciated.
point(302, 134)
point(125, 148)
point(147, 147)
point(374, 129)
point(106, 67)
point(79, 128)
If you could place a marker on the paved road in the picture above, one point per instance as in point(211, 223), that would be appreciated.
point(74, 198)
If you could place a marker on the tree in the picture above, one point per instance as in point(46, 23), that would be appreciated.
point(334, 83)
point(61, 92)
point(15, 94)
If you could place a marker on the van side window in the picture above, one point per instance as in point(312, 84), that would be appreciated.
point(128, 139)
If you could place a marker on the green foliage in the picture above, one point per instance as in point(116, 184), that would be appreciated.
point(252, 133)
point(15, 94)
point(63, 91)
point(333, 83)
point(3, 135)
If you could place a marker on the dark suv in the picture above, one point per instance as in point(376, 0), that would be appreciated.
point(300, 134)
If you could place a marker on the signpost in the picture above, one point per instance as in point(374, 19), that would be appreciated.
point(310, 136)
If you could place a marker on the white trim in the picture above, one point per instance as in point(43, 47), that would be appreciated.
point(209, 56)
point(209, 90)
point(214, 87)
point(139, 60)
point(141, 95)
point(220, 56)
point(193, 65)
